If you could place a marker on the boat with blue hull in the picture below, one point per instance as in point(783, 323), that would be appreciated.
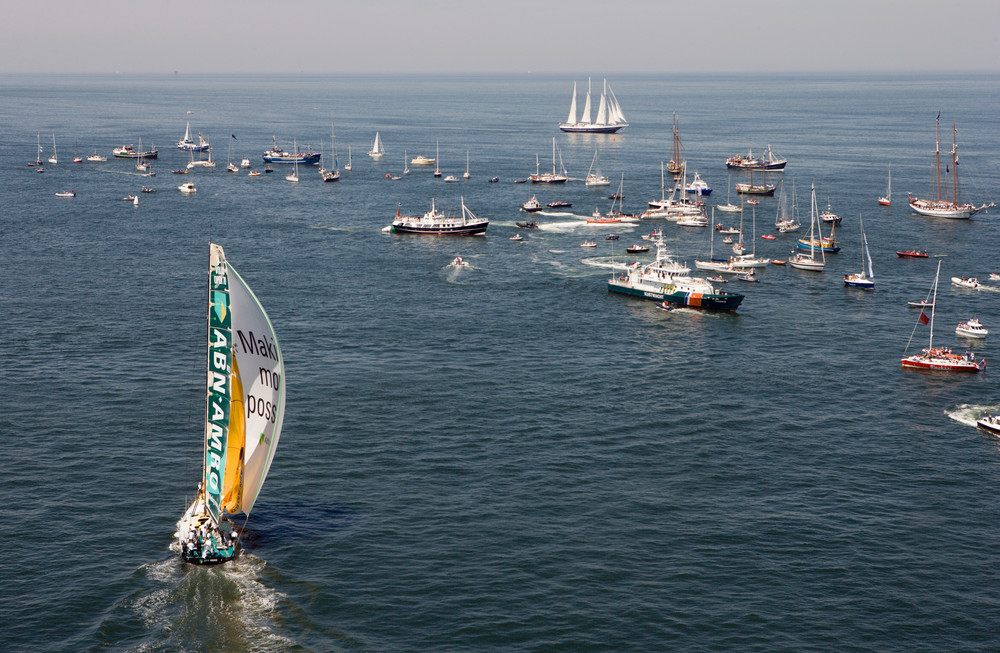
point(665, 280)
point(278, 155)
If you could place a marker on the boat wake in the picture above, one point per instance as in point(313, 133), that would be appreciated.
point(186, 606)
point(967, 414)
point(604, 262)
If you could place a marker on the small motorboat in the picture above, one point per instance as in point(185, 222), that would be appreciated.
point(66, 193)
point(494, 180)
point(253, 173)
point(527, 225)
point(611, 237)
point(753, 201)
point(458, 262)
point(517, 237)
point(664, 306)
point(989, 423)
point(828, 216)
point(749, 275)
point(559, 204)
point(616, 196)
point(911, 253)
point(728, 240)
point(146, 189)
point(129, 198)
point(776, 261)
point(920, 304)
point(994, 276)
point(588, 243)
point(179, 172)
point(768, 236)
point(722, 229)
point(268, 169)
point(187, 188)
point(972, 328)
point(717, 279)
point(520, 181)
point(965, 282)
point(450, 179)
point(77, 159)
point(637, 249)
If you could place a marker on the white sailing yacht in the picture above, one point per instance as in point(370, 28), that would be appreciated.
point(860, 279)
point(466, 174)
point(729, 207)
point(333, 174)
point(55, 159)
point(348, 166)
point(243, 416)
point(294, 176)
point(547, 177)
point(230, 166)
point(594, 177)
point(886, 200)
point(437, 158)
point(378, 149)
point(807, 260)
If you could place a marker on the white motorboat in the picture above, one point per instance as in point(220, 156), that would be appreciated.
point(966, 282)
point(972, 328)
point(97, 158)
point(187, 188)
point(698, 186)
point(989, 423)
point(421, 160)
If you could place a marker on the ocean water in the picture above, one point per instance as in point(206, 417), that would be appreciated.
point(504, 456)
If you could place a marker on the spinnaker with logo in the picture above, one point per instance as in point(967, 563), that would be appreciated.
point(244, 409)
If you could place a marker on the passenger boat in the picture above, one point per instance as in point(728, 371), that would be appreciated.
point(940, 358)
point(911, 253)
point(698, 186)
point(243, 416)
point(532, 205)
point(433, 222)
point(767, 161)
point(965, 282)
point(942, 207)
point(129, 152)
point(990, 423)
point(972, 328)
point(609, 114)
point(662, 280)
point(278, 155)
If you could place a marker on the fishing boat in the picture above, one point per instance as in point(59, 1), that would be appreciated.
point(54, 159)
point(663, 280)
point(965, 282)
point(433, 222)
point(767, 161)
point(129, 152)
point(378, 149)
point(911, 253)
point(886, 200)
point(861, 279)
point(990, 423)
point(610, 117)
point(187, 188)
point(278, 155)
point(940, 358)
point(550, 177)
point(942, 207)
point(594, 176)
point(828, 216)
point(677, 162)
point(189, 144)
point(243, 416)
point(972, 328)
point(804, 261)
point(698, 186)
point(532, 205)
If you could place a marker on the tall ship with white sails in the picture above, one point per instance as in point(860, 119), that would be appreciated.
point(610, 117)
point(245, 406)
point(943, 207)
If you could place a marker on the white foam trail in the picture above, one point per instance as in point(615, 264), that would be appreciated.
point(967, 414)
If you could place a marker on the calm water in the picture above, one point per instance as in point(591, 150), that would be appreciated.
point(504, 456)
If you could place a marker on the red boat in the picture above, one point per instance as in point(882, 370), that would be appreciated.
point(911, 253)
point(775, 261)
point(768, 236)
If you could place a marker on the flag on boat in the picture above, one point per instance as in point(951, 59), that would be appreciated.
point(234, 136)
point(923, 318)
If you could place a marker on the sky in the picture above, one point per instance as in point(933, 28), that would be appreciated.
point(505, 36)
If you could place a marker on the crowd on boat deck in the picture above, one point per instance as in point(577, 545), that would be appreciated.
point(206, 543)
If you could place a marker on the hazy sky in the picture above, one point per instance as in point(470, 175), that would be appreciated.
point(623, 36)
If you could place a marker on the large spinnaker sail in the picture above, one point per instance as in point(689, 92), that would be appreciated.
point(258, 357)
point(219, 369)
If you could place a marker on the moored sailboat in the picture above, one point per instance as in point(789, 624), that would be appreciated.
point(802, 260)
point(550, 177)
point(243, 416)
point(378, 149)
point(594, 176)
point(886, 200)
point(942, 207)
point(861, 279)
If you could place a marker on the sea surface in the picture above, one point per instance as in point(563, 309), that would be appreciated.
point(503, 456)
